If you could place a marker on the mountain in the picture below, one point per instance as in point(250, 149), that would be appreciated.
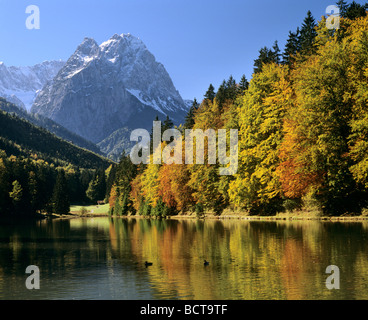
point(117, 142)
point(110, 89)
point(49, 125)
point(20, 85)
point(21, 138)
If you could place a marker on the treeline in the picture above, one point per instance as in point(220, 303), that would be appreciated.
point(30, 186)
point(303, 133)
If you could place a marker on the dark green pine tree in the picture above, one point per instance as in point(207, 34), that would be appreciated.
point(264, 57)
point(343, 6)
point(355, 10)
point(151, 134)
point(111, 178)
point(125, 205)
point(210, 94)
point(267, 55)
point(167, 124)
point(102, 186)
point(221, 93)
point(97, 187)
point(308, 34)
point(125, 173)
point(60, 198)
point(231, 88)
point(117, 209)
point(189, 119)
point(291, 48)
point(5, 186)
point(227, 91)
point(243, 85)
point(35, 201)
point(276, 52)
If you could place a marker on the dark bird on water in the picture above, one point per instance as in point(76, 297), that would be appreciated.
point(148, 264)
point(206, 263)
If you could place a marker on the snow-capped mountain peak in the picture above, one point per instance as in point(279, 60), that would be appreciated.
point(20, 85)
point(105, 87)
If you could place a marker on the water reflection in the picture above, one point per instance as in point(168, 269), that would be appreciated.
point(104, 258)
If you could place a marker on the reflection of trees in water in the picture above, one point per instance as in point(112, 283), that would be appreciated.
point(58, 249)
point(315, 246)
point(248, 260)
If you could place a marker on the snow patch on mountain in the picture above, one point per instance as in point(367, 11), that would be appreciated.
point(20, 85)
point(105, 87)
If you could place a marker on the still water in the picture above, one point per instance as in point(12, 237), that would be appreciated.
point(103, 258)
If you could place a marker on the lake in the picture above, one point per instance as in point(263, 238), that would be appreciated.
point(104, 258)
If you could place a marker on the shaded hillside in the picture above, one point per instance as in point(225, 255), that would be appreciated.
point(49, 125)
point(21, 138)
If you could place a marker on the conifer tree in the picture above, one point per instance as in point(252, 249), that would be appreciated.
point(263, 58)
point(156, 119)
point(117, 208)
point(60, 197)
point(291, 48)
point(167, 124)
point(276, 52)
point(243, 85)
point(189, 119)
point(97, 187)
point(125, 205)
point(4, 186)
point(151, 134)
point(308, 34)
point(355, 10)
point(210, 94)
point(221, 93)
point(231, 88)
point(343, 6)
point(125, 174)
point(266, 56)
point(111, 178)
point(33, 192)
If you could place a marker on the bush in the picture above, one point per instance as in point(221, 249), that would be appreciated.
point(83, 211)
point(292, 204)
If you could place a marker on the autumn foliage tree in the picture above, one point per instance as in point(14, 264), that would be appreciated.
point(318, 130)
point(256, 187)
point(303, 132)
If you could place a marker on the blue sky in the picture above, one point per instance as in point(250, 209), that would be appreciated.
point(198, 41)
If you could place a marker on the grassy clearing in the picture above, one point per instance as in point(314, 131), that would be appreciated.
point(309, 213)
point(90, 210)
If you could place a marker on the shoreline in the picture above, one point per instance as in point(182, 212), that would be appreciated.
point(303, 214)
point(243, 217)
point(297, 215)
point(274, 218)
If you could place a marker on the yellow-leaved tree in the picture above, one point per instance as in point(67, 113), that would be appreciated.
point(261, 112)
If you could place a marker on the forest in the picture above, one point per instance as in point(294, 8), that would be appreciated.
point(303, 133)
point(43, 174)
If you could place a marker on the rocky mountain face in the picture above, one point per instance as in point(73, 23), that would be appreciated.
point(20, 85)
point(105, 91)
